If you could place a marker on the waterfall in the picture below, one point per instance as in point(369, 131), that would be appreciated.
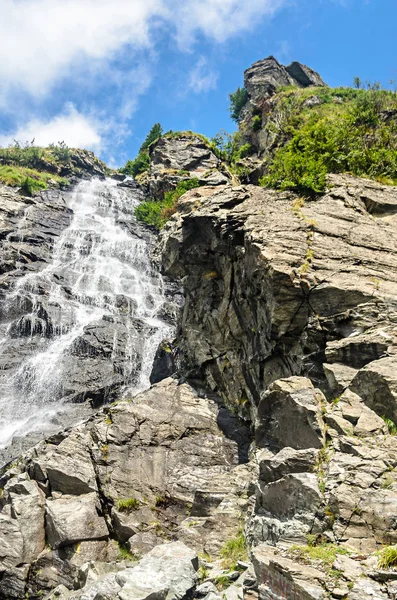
point(87, 324)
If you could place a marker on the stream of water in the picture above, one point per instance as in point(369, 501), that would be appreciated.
point(100, 276)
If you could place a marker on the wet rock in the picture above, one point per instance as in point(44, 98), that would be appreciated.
point(165, 362)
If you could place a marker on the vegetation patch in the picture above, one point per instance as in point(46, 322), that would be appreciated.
point(324, 554)
point(233, 551)
point(29, 180)
point(156, 213)
point(126, 554)
point(350, 130)
point(141, 163)
point(391, 426)
point(238, 100)
point(128, 505)
point(387, 557)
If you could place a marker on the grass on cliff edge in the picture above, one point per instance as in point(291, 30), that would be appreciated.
point(156, 213)
point(29, 180)
point(347, 131)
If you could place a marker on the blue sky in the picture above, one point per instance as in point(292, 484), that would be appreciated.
point(99, 73)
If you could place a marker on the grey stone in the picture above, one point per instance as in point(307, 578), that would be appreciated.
point(71, 519)
point(167, 571)
point(205, 588)
point(278, 575)
point(287, 461)
point(28, 503)
point(289, 414)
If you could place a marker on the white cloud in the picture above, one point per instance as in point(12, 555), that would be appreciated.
point(221, 19)
point(41, 41)
point(45, 41)
point(202, 78)
point(72, 127)
point(100, 54)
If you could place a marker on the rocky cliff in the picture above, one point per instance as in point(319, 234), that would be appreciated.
point(262, 463)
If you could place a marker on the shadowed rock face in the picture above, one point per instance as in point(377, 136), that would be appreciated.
point(274, 290)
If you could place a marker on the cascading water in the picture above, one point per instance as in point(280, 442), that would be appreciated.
point(90, 321)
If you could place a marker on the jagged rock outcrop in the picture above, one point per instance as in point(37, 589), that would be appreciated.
point(277, 287)
point(182, 156)
point(262, 81)
point(265, 76)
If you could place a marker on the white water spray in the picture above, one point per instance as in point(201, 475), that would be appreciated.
point(97, 267)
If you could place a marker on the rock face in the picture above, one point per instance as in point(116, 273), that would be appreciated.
point(262, 463)
point(180, 157)
point(168, 465)
point(272, 288)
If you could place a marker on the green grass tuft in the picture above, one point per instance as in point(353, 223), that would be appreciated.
point(323, 553)
point(128, 504)
point(233, 551)
point(391, 426)
point(387, 557)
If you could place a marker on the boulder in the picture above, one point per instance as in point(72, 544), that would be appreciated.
point(288, 460)
point(376, 384)
point(69, 467)
point(27, 503)
point(71, 519)
point(289, 414)
point(284, 577)
point(167, 571)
